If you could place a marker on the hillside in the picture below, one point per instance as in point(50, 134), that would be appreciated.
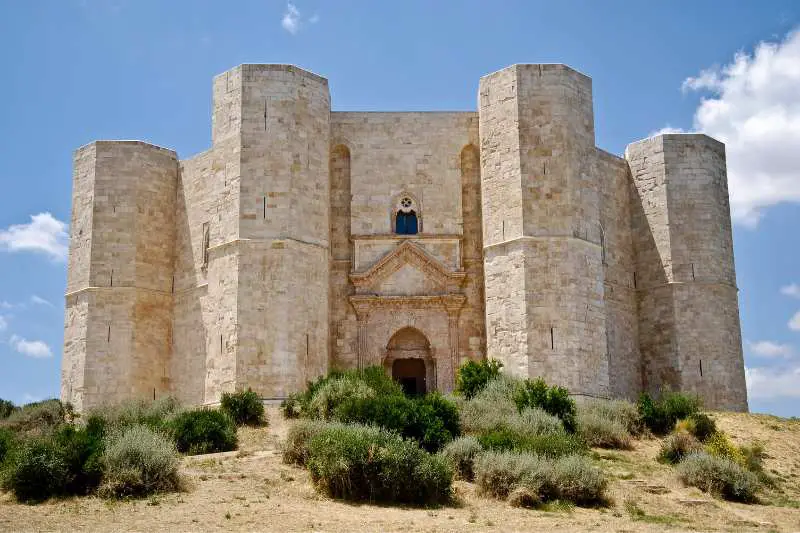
point(251, 490)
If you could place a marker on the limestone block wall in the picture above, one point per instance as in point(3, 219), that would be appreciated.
point(686, 286)
point(541, 215)
point(203, 358)
point(234, 268)
point(622, 319)
point(119, 300)
point(284, 230)
point(472, 319)
point(388, 155)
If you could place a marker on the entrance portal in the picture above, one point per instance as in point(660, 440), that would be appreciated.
point(410, 373)
point(408, 359)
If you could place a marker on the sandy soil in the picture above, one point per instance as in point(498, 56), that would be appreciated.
point(251, 490)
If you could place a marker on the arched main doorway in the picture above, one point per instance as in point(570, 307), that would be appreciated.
point(408, 358)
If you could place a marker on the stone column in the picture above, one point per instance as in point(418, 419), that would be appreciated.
point(362, 315)
point(453, 309)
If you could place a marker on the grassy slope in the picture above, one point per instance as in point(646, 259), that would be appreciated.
point(251, 490)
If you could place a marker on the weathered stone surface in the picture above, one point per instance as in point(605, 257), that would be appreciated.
point(274, 255)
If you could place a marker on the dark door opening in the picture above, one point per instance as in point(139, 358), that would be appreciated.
point(410, 373)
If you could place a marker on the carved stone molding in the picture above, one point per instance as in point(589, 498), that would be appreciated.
point(364, 303)
point(408, 253)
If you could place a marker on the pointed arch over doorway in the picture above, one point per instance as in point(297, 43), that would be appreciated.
point(409, 361)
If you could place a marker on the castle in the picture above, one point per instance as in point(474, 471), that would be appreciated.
point(307, 239)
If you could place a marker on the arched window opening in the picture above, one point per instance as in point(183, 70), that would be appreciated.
point(406, 221)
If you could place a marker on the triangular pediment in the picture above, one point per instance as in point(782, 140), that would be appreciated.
point(407, 270)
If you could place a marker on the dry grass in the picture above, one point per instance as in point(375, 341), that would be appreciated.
point(259, 493)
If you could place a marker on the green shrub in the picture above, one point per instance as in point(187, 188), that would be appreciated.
point(356, 462)
point(138, 462)
point(534, 421)
point(719, 445)
point(598, 431)
point(38, 418)
point(473, 376)
point(529, 479)
point(753, 457)
point(244, 407)
point(718, 476)
point(574, 479)
point(498, 473)
point(6, 408)
point(65, 461)
point(661, 415)
point(554, 400)
point(432, 420)
point(703, 426)
point(330, 395)
point(203, 431)
point(291, 406)
point(445, 410)
point(7, 443)
point(621, 411)
point(374, 377)
point(482, 414)
point(81, 449)
point(494, 408)
point(677, 446)
point(550, 445)
point(117, 417)
point(36, 470)
point(460, 454)
point(295, 447)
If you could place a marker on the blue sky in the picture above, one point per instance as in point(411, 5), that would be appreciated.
point(78, 70)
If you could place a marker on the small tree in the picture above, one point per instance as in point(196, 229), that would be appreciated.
point(473, 376)
point(244, 407)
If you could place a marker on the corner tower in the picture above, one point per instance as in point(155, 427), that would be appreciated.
point(689, 330)
point(279, 116)
point(541, 226)
point(118, 324)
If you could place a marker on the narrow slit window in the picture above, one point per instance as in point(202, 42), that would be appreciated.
point(206, 243)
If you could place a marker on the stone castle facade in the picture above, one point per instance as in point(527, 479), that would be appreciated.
point(307, 239)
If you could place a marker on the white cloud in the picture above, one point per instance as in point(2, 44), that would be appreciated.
point(40, 301)
point(314, 18)
point(753, 107)
point(771, 350)
point(3, 323)
point(37, 349)
point(5, 305)
point(793, 289)
point(794, 322)
point(666, 130)
point(291, 19)
point(44, 234)
point(765, 383)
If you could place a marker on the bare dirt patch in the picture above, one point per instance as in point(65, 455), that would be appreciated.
point(251, 490)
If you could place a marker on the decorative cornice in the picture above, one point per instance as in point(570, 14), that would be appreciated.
point(363, 303)
point(408, 253)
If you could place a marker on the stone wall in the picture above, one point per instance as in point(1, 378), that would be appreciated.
point(377, 158)
point(273, 255)
point(119, 300)
point(541, 215)
point(689, 330)
point(622, 320)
